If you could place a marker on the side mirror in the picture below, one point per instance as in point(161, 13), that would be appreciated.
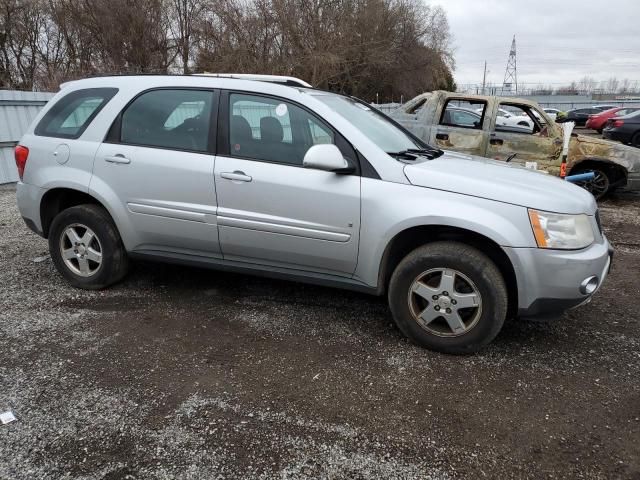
point(326, 157)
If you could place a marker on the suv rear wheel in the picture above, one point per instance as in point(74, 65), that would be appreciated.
point(86, 248)
point(448, 297)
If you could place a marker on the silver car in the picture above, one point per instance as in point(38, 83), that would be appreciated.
point(271, 177)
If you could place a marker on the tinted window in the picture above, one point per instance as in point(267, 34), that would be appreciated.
point(73, 113)
point(270, 129)
point(174, 119)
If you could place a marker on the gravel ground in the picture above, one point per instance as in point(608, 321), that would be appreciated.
point(187, 373)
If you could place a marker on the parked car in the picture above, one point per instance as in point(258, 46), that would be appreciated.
point(578, 115)
point(597, 121)
point(552, 113)
point(540, 147)
point(306, 185)
point(624, 129)
point(506, 118)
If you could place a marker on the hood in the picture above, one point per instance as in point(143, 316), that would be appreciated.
point(502, 182)
point(596, 148)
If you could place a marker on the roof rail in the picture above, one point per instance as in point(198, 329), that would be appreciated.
point(291, 81)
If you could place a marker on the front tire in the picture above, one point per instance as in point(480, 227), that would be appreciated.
point(448, 297)
point(86, 248)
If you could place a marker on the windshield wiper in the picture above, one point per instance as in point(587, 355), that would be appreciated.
point(413, 153)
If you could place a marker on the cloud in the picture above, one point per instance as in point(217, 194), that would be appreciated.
point(558, 41)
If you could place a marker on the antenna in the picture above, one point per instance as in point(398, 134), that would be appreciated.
point(510, 81)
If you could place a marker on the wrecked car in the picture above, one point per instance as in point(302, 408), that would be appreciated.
point(538, 146)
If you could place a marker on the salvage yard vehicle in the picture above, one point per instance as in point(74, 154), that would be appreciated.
point(552, 112)
point(614, 165)
point(598, 121)
point(579, 115)
point(301, 184)
point(625, 129)
point(506, 118)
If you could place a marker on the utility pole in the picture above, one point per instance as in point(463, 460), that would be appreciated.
point(484, 77)
point(511, 73)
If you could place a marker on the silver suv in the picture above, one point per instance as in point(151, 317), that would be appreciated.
point(275, 178)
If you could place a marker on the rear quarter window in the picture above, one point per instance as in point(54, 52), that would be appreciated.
point(73, 113)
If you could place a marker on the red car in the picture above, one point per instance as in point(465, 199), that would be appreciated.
point(597, 121)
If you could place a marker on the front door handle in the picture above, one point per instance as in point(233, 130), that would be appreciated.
point(496, 141)
point(118, 158)
point(442, 136)
point(236, 176)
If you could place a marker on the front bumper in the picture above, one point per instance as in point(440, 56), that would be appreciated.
point(549, 280)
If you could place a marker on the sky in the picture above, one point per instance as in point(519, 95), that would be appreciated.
point(557, 41)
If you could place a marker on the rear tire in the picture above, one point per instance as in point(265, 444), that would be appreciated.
point(459, 319)
point(635, 140)
point(86, 247)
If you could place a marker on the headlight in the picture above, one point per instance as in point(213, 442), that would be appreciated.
point(565, 232)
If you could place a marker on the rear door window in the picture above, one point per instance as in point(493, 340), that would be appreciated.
point(73, 113)
point(167, 118)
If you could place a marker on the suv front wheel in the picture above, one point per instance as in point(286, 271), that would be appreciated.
point(448, 297)
point(86, 248)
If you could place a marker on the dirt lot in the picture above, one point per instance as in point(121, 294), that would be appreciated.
point(185, 373)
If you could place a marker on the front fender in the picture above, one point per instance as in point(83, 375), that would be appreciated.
point(390, 208)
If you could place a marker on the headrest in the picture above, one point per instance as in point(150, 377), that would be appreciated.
point(271, 129)
point(240, 129)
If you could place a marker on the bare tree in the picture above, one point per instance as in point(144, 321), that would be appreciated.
point(364, 47)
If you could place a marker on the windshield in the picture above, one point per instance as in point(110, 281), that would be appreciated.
point(377, 128)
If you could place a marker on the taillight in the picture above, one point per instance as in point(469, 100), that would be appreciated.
point(617, 123)
point(21, 153)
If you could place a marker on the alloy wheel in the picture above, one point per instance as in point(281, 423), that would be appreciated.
point(445, 302)
point(598, 186)
point(81, 250)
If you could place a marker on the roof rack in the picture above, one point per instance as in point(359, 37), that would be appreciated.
point(291, 81)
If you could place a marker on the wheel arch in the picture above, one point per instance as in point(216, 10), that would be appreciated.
point(617, 173)
point(413, 237)
point(58, 199)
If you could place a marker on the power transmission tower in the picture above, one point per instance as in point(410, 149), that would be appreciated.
point(510, 81)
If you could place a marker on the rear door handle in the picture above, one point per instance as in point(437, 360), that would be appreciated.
point(119, 158)
point(236, 176)
point(442, 136)
point(496, 141)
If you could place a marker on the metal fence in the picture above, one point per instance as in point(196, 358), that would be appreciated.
point(17, 111)
point(563, 105)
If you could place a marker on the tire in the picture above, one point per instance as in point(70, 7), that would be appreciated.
point(600, 186)
point(635, 140)
point(432, 266)
point(86, 247)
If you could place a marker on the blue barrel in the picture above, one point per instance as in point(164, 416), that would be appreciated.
point(581, 177)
